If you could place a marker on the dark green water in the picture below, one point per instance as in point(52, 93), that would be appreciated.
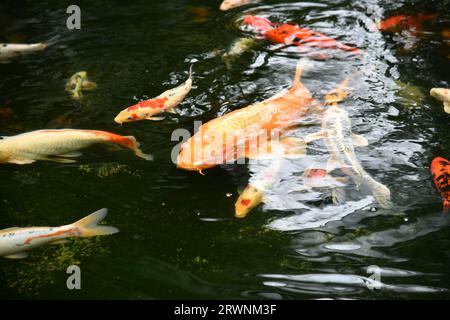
point(179, 238)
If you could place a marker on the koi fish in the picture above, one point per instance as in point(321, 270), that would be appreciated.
point(440, 171)
point(15, 241)
point(79, 83)
point(442, 94)
point(406, 22)
point(340, 141)
point(231, 4)
point(238, 47)
point(9, 51)
point(59, 145)
point(253, 194)
point(165, 102)
point(289, 34)
point(247, 132)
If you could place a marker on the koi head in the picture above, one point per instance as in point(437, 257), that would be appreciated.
point(261, 25)
point(126, 115)
point(442, 94)
point(191, 157)
point(247, 201)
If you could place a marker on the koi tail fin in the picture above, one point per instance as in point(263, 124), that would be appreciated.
point(89, 227)
point(131, 143)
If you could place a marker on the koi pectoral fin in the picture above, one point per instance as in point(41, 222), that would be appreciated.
point(73, 154)
point(19, 255)
point(359, 141)
point(88, 85)
point(447, 107)
point(155, 118)
point(60, 160)
point(315, 136)
point(21, 161)
point(171, 110)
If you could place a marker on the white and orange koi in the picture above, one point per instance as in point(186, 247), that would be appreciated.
point(15, 241)
point(231, 4)
point(9, 51)
point(59, 145)
point(165, 102)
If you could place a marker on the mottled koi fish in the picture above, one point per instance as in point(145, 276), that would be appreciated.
point(78, 83)
point(15, 241)
point(231, 4)
point(165, 102)
point(442, 94)
point(289, 34)
point(59, 145)
point(229, 137)
point(9, 51)
point(406, 22)
point(440, 171)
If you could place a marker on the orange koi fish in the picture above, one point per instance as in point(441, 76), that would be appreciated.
point(165, 102)
point(15, 241)
point(59, 145)
point(250, 132)
point(405, 22)
point(289, 34)
point(440, 171)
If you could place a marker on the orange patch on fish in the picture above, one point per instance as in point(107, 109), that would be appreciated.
point(70, 231)
point(151, 103)
point(440, 171)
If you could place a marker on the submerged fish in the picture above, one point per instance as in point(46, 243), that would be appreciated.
point(9, 51)
point(15, 241)
point(289, 34)
point(248, 132)
point(59, 145)
point(239, 47)
point(442, 94)
point(165, 102)
point(440, 171)
point(79, 83)
point(340, 141)
point(406, 22)
point(231, 4)
point(253, 194)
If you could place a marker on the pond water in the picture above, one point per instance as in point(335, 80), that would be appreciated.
point(178, 234)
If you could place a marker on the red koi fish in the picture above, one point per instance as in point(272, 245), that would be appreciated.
point(290, 34)
point(165, 102)
point(440, 171)
point(405, 22)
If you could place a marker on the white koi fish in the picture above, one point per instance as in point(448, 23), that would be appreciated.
point(442, 94)
point(9, 51)
point(165, 102)
point(340, 141)
point(15, 241)
point(59, 145)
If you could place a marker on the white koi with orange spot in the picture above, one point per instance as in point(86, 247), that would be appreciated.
point(15, 241)
point(165, 102)
point(9, 51)
point(59, 145)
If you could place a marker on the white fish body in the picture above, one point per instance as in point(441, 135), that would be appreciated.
point(339, 139)
point(15, 241)
point(58, 143)
point(12, 50)
point(230, 4)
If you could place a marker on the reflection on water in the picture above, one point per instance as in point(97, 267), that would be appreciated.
point(179, 237)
